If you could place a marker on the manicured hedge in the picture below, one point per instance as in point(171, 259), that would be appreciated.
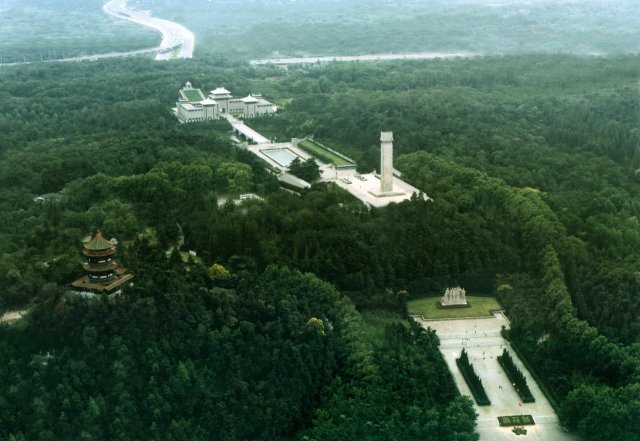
point(516, 420)
point(516, 377)
point(472, 379)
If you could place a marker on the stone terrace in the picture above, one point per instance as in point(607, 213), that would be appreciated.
point(483, 342)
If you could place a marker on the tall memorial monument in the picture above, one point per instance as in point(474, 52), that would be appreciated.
point(386, 162)
point(386, 167)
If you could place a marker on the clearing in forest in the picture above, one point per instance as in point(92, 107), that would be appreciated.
point(428, 308)
point(482, 340)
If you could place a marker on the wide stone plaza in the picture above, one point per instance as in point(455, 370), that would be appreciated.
point(482, 340)
point(364, 186)
point(375, 190)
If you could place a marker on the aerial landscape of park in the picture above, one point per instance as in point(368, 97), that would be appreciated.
point(320, 220)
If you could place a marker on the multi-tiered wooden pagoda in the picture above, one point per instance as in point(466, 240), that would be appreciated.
point(103, 274)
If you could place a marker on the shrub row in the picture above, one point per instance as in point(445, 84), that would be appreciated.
point(472, 379)
point(551, 397)
point(516, 377)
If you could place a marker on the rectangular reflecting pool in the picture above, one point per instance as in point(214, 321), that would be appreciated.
point(284, 157)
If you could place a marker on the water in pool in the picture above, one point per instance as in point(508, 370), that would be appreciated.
point(284, 157)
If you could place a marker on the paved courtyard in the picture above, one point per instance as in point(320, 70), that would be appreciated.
point(482, 339)
point(362, 186)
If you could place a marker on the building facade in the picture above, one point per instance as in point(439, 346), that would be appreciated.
point(194, 106)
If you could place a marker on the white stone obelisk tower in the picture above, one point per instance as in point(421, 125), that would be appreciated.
point(386, 162)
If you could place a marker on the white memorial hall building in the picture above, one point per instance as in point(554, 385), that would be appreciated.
point(194, 106)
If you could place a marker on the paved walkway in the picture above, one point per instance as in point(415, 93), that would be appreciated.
point(362, 186)
point(482, 340)
point(247, 131)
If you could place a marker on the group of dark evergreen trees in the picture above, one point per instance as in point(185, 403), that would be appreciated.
point(531, 167)
point(307, 170)
point(472, 379)
point(516, 377)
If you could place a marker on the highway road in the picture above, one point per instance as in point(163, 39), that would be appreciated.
point(370, 57)
point(174, 35)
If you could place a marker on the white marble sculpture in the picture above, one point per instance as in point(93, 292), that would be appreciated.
point(454, 297)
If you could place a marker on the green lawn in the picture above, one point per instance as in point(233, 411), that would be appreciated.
point(193, 95)
point(428, 308)
point(322, 153)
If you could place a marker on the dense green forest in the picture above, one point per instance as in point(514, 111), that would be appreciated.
point(177, 359)
point(331, 27)
point(562, 128)
point(532, 166)
point(41, 29)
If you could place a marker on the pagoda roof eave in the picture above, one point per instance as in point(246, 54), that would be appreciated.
point(98, 253)
point(84, 284)
point(100, 268)
point(97, 242)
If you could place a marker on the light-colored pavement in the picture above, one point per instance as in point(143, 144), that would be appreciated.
point(482, 340)
point(283, 175)
point(247, 131)
point(11, 316)
point(362, 187)
point(263, 143)
point(370, 57)
point(173, 34)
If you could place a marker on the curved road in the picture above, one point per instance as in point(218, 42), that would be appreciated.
point(175, 37)
point(173, 34)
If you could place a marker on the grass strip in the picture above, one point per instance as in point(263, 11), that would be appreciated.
point(428, 308)
point(322, 154)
